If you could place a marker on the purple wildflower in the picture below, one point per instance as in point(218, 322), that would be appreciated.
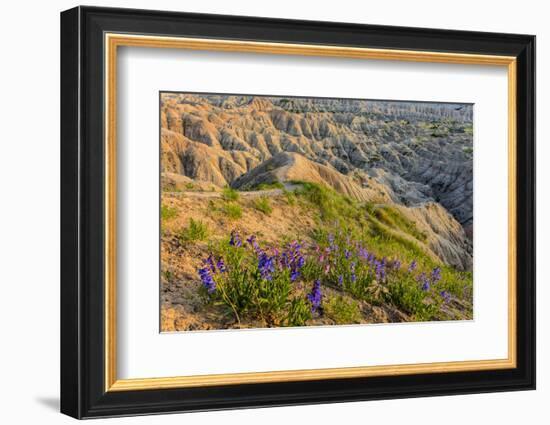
point(292, 259)
point(333, 246)
point(347, 254)
point(446, 296)
point(207, 280)
point(315, 296)
point(235, 239)
point(436, 275)
point(266, 266)
point(412, 266)
point(380, 270)
point(283, 260)
point(424, 281)
point(340, 280)
point(221, 265)
point(254, 244)
point(209, 262)
point(353, 277)
point(295, 245)
point(372, 259)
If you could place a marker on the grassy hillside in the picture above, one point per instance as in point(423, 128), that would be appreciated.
point(306, 257)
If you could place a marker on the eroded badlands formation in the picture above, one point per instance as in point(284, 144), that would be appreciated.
point(416, 156)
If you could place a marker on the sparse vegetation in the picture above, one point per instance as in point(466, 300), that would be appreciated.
point(299, 312)
point(331, 205)
point(263, 205)
point(168, 213)
point(232, 210)
point(167, 274)
point(392, 217)
point(268, 186)
point(196, 231)
point(342, 311)
point(414, 299)
point(290, 197)
point(230, 194)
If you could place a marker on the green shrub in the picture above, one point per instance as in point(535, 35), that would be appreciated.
point(269, 186)
point(171, 188)
point(460, 284)
point(377, 293)
point(299, 312)
point(233, 211)
point(168, 213)
point(168, 275)
point(408, 296)
point(290, 197)
point(342, 311)
point(196, 231)
point(263, 205)
point(230, 194)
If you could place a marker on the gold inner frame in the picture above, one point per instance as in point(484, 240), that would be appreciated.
point(112, 41)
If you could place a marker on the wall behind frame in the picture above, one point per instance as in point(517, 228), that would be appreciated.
point(29, 217)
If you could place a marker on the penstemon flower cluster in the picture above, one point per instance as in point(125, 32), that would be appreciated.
point(250, 278)
point(263, 281)
point(315, 296)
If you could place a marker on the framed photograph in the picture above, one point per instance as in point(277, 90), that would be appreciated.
point(261, 212)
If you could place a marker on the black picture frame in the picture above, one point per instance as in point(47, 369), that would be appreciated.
point(83, 392)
